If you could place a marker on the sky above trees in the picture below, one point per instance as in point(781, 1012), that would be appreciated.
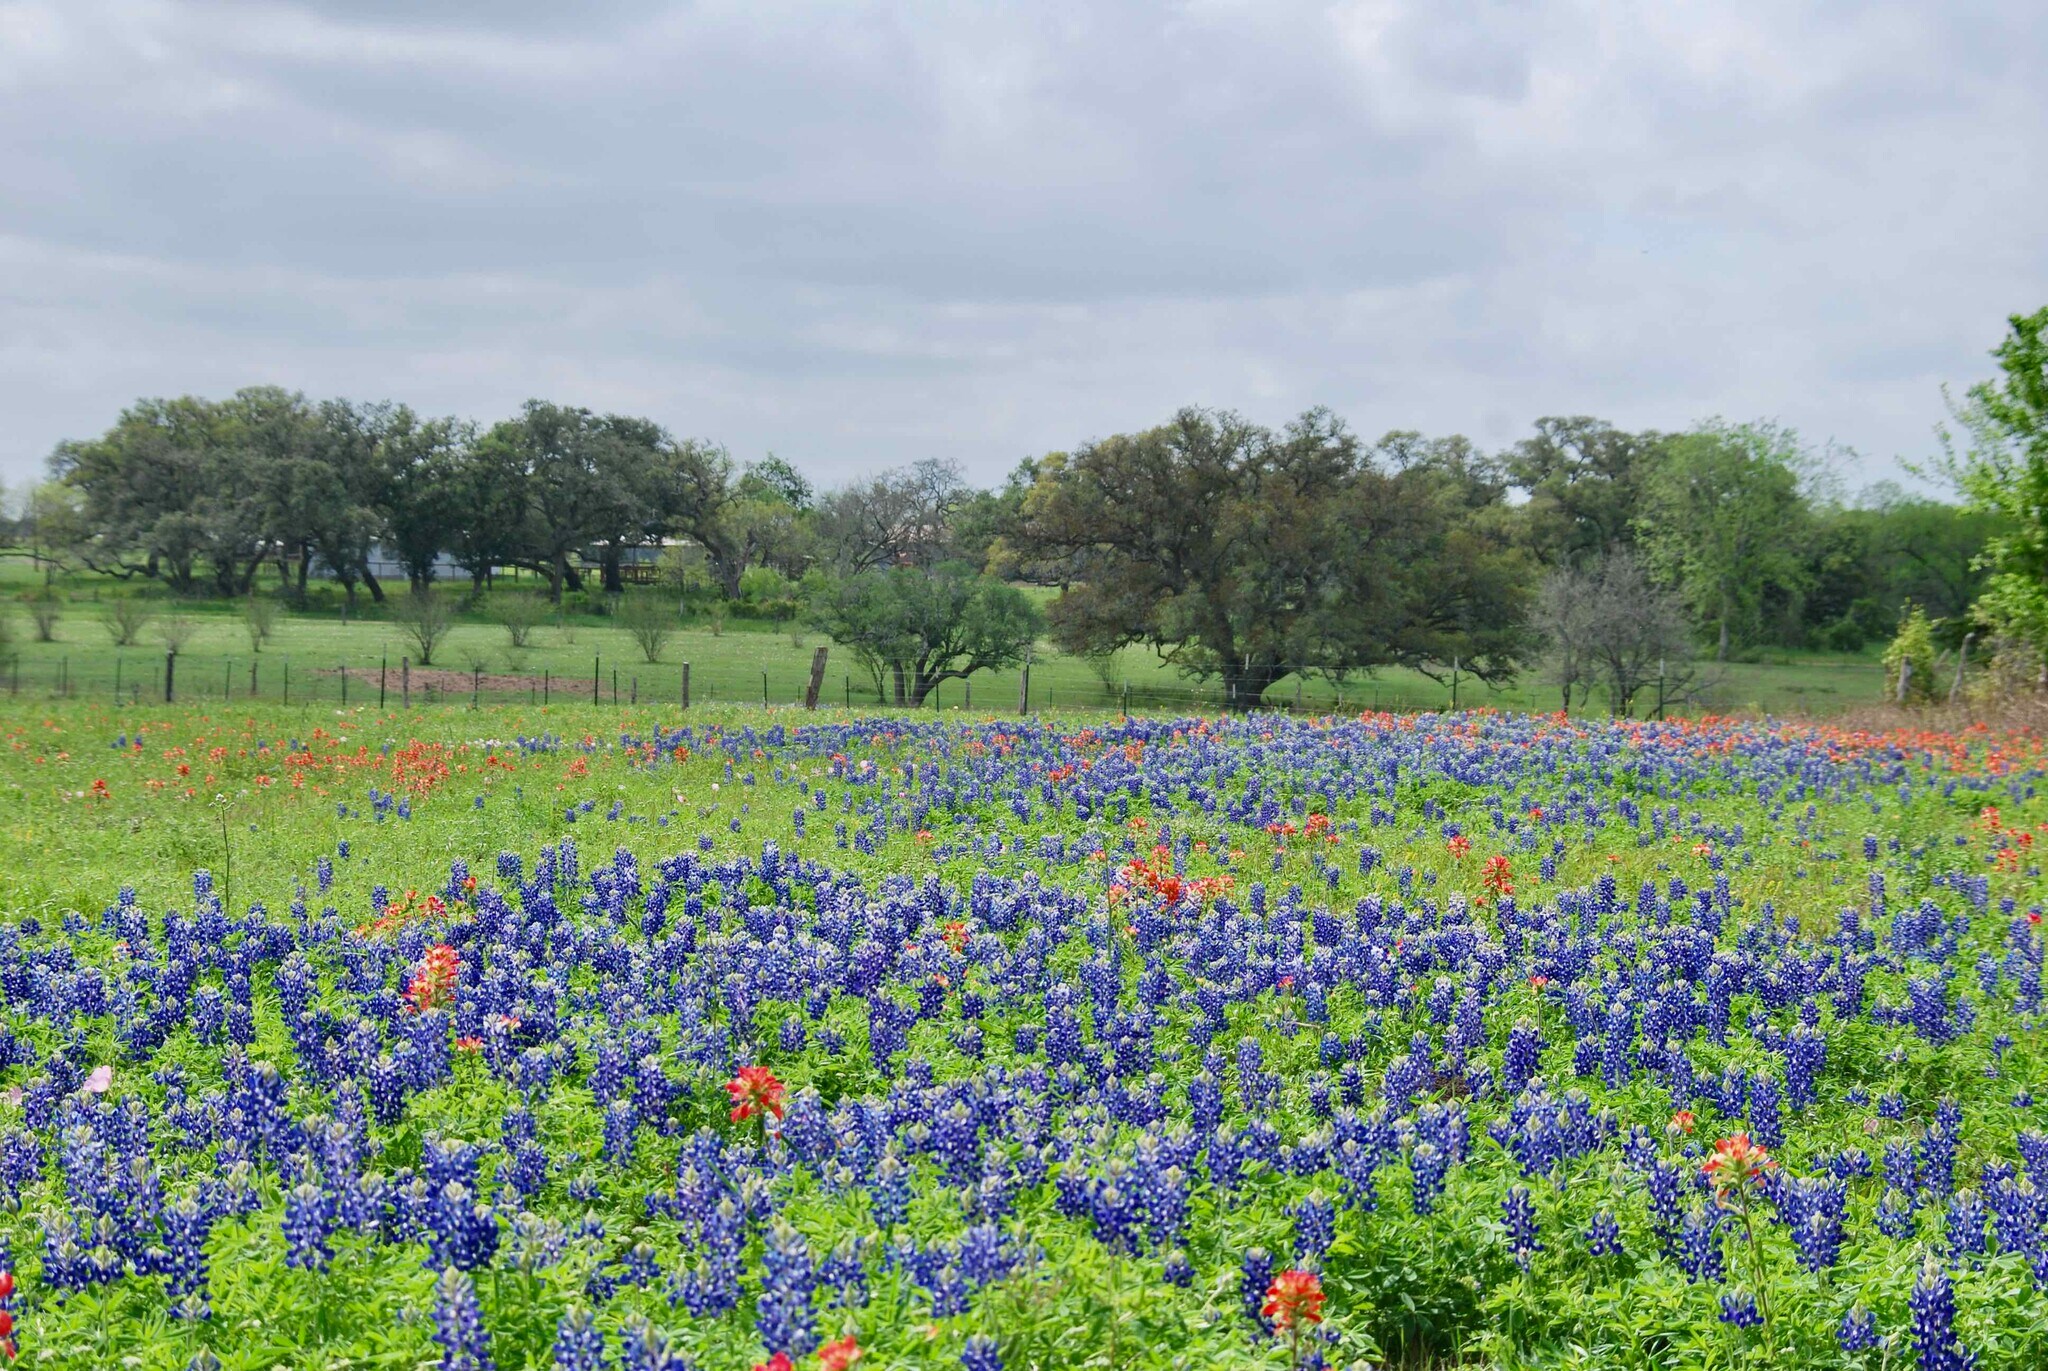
point(861, 235)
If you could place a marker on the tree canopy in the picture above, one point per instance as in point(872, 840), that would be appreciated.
point(1248, 555)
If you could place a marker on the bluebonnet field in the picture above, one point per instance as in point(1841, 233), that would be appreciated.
point(339, 1040)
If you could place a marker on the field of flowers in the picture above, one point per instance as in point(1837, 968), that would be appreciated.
point(629, 1040)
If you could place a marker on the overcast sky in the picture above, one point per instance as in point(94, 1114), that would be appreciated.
point(857, 235)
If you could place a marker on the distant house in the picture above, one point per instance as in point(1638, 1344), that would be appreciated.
point(385, 566)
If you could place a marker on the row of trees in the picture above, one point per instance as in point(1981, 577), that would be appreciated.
point(1238, 552)
point(201, 494)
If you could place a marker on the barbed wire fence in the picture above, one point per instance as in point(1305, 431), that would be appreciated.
point(139, 677)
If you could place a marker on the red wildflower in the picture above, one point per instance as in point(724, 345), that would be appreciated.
point(779, 1362)
point(1499, 875)
point(837, 1356)
point(433, 981)
point(1459, 846)
point(2033, 916)
point(1682, 1121)
point(1293, 1299)
point(755, 1091)
point(1736, 1161)
point(956, 934)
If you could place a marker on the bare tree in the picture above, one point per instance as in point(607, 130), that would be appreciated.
point(1563, 618)
point(176, 630)
point(650, 623)
point(259, 617)
point(126, 616)
point(1608, 623)
point(426, 618)
point(902, 517)
point(45, 608)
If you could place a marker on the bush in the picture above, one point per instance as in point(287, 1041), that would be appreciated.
point(650, 623)
point(518, 615)
point(1911, 653)
point(125, 617)
point(176, 630)
point(426, 619)
point(45, 608)
point(259, 617)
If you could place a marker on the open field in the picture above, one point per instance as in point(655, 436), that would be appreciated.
point(308, 655)
point(339, 1038)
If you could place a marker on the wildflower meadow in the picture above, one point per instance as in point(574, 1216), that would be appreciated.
point(737, 1039)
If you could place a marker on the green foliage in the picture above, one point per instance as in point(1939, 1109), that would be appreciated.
point(519, 615)
point(766, 593)
point(1248, 555)
point(1911, 651)
point(1724, 520)
point(650, 622)
point(2004, 471)
point(912, 630)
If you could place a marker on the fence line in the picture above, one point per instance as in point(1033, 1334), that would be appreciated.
point(141, 677)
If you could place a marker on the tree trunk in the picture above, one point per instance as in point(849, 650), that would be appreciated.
point(1721, 652)
point(897, 668)
point(614, 583)
point(376, 591)
point(1245, 687)
point(305, 566)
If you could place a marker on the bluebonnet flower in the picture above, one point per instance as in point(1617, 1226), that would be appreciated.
point(308, 1219)
point(981, 1354)
point(1315, 1228)
point(1255, 1274)
point(1933, 1303)
point(788, 1282)
point(186, 1224)
point(1739, 1309)
point(643, 1347)
point(1428, 1166)
point(459, 1324)
point(1858, 1330)
point(1603, 1237)
point(1519, 1212)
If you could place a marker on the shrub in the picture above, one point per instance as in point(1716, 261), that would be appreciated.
point(125, 617)
point(176, 630)
point(518, 615)
point(259, 617)
point(1911, 654)
point(426, 618)
point(649, 622)
point(45, 608)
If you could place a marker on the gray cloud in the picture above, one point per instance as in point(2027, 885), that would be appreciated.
point(859, 233)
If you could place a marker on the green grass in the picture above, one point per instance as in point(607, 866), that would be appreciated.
point(747, 661)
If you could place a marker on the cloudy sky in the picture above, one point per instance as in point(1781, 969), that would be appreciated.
point(860, 234)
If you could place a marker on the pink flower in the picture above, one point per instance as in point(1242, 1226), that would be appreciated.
point(99, 1080)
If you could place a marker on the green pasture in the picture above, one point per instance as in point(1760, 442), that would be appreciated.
point(329, 651)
